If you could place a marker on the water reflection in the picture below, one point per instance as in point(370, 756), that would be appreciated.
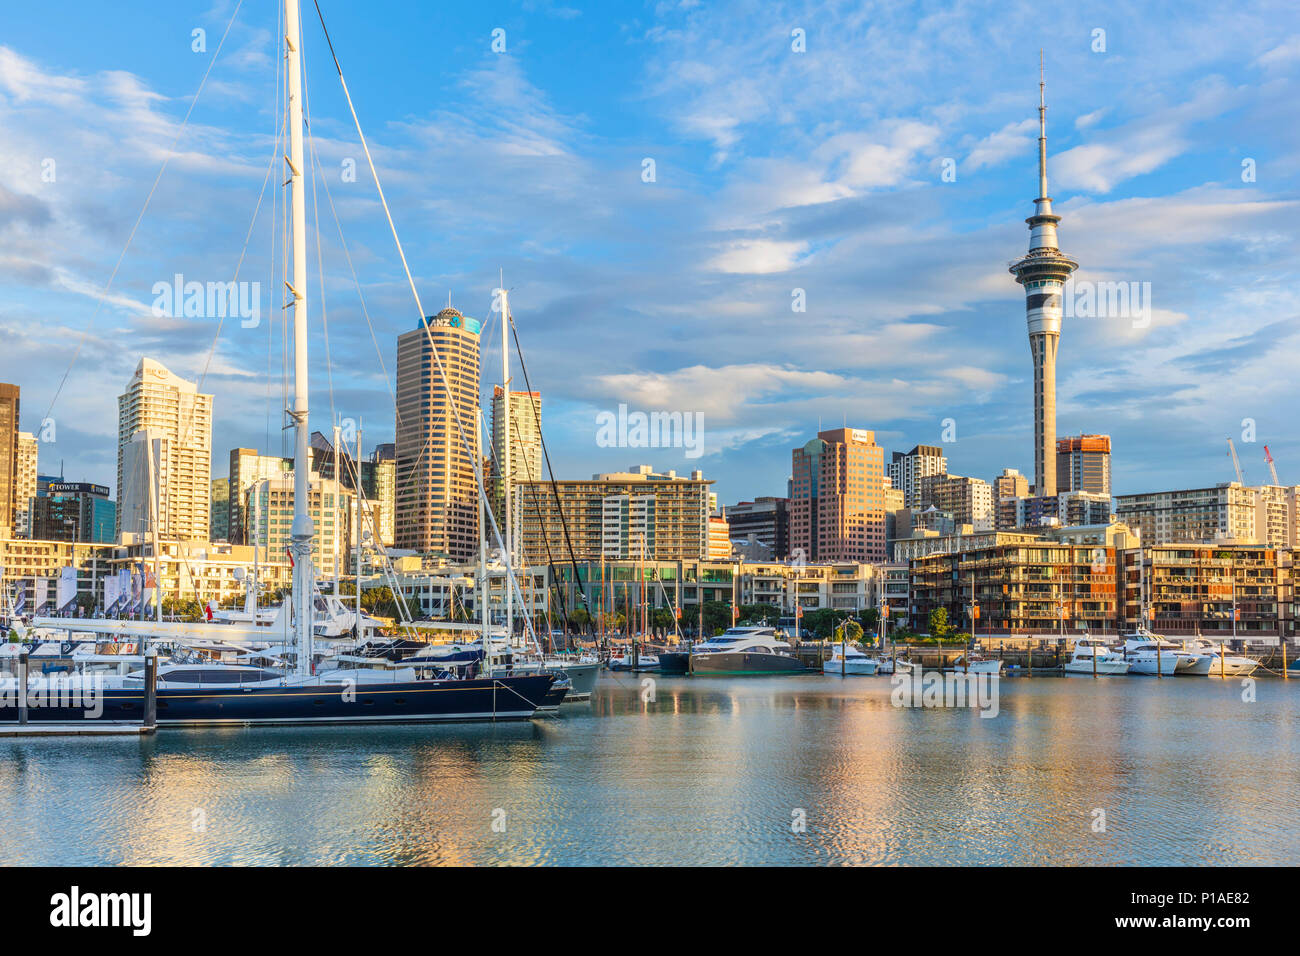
point(711, 771)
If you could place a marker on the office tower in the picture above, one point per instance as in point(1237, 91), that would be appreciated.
point(25, 484)
point(1083, 464)
point(247, 467)
point(765, 520)
point(9, 408)
point(837, 511)
point(75, 511)
point(1043, 273)
point(219, 522)
point(164, 455)
point(525, 439)
point(907, 470)
point(438, 440)
point(617, 515)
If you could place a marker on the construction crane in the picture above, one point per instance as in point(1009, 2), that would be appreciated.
point(1232, 450)
point(1271, 467)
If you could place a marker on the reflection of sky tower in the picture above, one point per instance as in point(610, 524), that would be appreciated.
point(1043, 273)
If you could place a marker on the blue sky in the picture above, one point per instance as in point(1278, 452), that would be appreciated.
point(775, 170)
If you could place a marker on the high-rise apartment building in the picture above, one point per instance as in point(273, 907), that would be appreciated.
point(619, 515)
point(837, 509)
point(164, 455)
point(9, 409)
point(907, 469)
point(273, 500)
point(25, 484)
point(438, 441)
point(525, 439)
point(1083, 464)
point(1229, 512)
point(1010, 484)
point(967, 500)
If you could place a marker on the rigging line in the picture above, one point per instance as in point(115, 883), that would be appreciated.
point(315, 217)
point(347, 254)
point(474, 451)
point(221, 320)
point(546, 538)
point(555, 490)
point(143, 209)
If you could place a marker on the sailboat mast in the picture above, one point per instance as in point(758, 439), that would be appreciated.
point(505, 453)
point(302, 531)
point(338, 532)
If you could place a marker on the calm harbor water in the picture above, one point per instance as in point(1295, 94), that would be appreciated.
point(713, 771)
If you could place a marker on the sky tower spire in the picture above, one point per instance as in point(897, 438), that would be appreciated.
point(1043, 273)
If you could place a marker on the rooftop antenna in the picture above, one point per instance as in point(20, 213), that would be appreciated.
point(1042, 125)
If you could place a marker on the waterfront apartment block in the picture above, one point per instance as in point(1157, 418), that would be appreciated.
point(439, 446)
point(164, 456)
point(10, 403)
point(967, 500)
point(766, 520)
point(1098, 580)
point(906, 469)
point(1014, 584)
point(837, 507)
point(1225, 512)
point(200, 571)
point(846, 586)
point(618, 515)
point(1083, 464)
point(1219, 592)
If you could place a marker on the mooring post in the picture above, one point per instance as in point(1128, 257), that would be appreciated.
point(22, 686)
point(150, 689)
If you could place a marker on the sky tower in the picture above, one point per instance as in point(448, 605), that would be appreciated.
point(1043, 272)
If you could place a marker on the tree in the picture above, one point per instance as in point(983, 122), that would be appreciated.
point(580, 619)
point(662, 618)
point(717, 616)
point(939, 626)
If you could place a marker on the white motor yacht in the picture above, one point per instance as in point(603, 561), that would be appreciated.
point(848, 660)
point(1223, 664)
point(1150, 654)
point(1092, 656)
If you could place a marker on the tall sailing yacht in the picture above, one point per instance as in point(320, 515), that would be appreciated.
point(215, 693)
